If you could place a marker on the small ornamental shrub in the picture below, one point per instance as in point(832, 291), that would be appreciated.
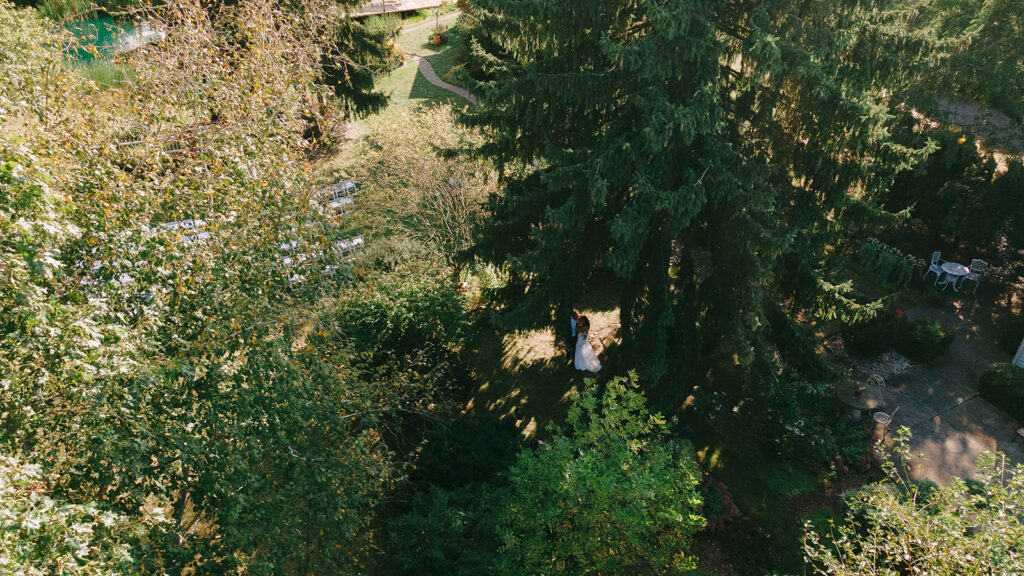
point(1010, 340)
point(1003, 385)
point(876, 334)
point(719, 508)
point(924, 340)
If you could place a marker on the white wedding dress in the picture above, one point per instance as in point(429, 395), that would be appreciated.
point(586, 359)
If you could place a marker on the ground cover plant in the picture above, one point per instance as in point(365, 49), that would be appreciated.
point(899, 525)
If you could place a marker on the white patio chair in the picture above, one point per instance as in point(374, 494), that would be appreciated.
point(978, 268)
point(936, 266)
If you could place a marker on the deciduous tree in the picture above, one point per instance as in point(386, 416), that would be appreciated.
point(613, 495)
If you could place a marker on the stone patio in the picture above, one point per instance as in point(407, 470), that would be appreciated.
point(951, 424)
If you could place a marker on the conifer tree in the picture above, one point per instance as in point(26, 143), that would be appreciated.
point(704, 152)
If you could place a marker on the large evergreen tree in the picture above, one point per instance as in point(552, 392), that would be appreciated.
point(702, 151)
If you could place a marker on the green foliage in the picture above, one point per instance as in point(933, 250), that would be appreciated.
point(152, 367)
point(357, 54)
point(953, 191)
point(799, 425)
point(611, 496)
point(653, 160)
point(1002, 384)
point(103, 72)
point(1012, 336)
point(876, 334)
point(66, 10)
point(45, 533)
point(890, 264)
point(399, 316)
point(1007, 196)
point(924, 340)
point(898, 526)
point(448, 531)
point(841, 302)
point(472, 449)
point(989, 69)
point(411, 190)
point(719, 508)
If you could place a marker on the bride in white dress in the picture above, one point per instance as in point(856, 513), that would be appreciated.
point(586, 359)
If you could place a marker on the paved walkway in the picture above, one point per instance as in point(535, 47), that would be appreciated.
point(951, 424)
point(428, 72)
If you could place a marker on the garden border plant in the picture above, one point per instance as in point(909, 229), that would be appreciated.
point(924, 340)
point(1002, 384)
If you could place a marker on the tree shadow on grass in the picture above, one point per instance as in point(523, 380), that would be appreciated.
point(525, 378)
point(531, 390)
point(428, 93)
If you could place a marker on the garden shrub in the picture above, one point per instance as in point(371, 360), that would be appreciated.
point(924, 340)
point(799, 425)
point(447, 532)
point(1003, 385)
point(718, 509)
point(1010, 340)
point(470, 450)
point(402, 316)
point(892, 265)
point(876, 334)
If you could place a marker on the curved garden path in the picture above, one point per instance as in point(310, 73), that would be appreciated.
point(424, 66)
point(428, 72)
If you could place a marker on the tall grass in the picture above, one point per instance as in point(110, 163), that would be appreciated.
point(103, 72)
point(71, 10)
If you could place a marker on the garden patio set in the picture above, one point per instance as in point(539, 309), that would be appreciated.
point(955, 274)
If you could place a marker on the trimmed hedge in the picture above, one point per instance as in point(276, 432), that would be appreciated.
point(924, 340)
point(1003, 385)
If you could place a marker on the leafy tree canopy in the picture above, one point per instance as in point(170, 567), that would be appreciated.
point(611, 496)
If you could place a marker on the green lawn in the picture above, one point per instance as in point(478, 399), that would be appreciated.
point(407, 87)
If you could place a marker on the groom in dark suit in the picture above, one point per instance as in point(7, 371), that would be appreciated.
point(570, 336)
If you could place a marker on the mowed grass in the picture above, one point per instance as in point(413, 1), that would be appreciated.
point(408, 88)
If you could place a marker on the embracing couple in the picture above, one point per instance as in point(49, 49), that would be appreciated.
point(577, 345)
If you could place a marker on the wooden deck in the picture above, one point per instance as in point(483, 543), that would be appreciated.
point(389, 6)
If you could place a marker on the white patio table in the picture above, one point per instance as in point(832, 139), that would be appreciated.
point(955, 274)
